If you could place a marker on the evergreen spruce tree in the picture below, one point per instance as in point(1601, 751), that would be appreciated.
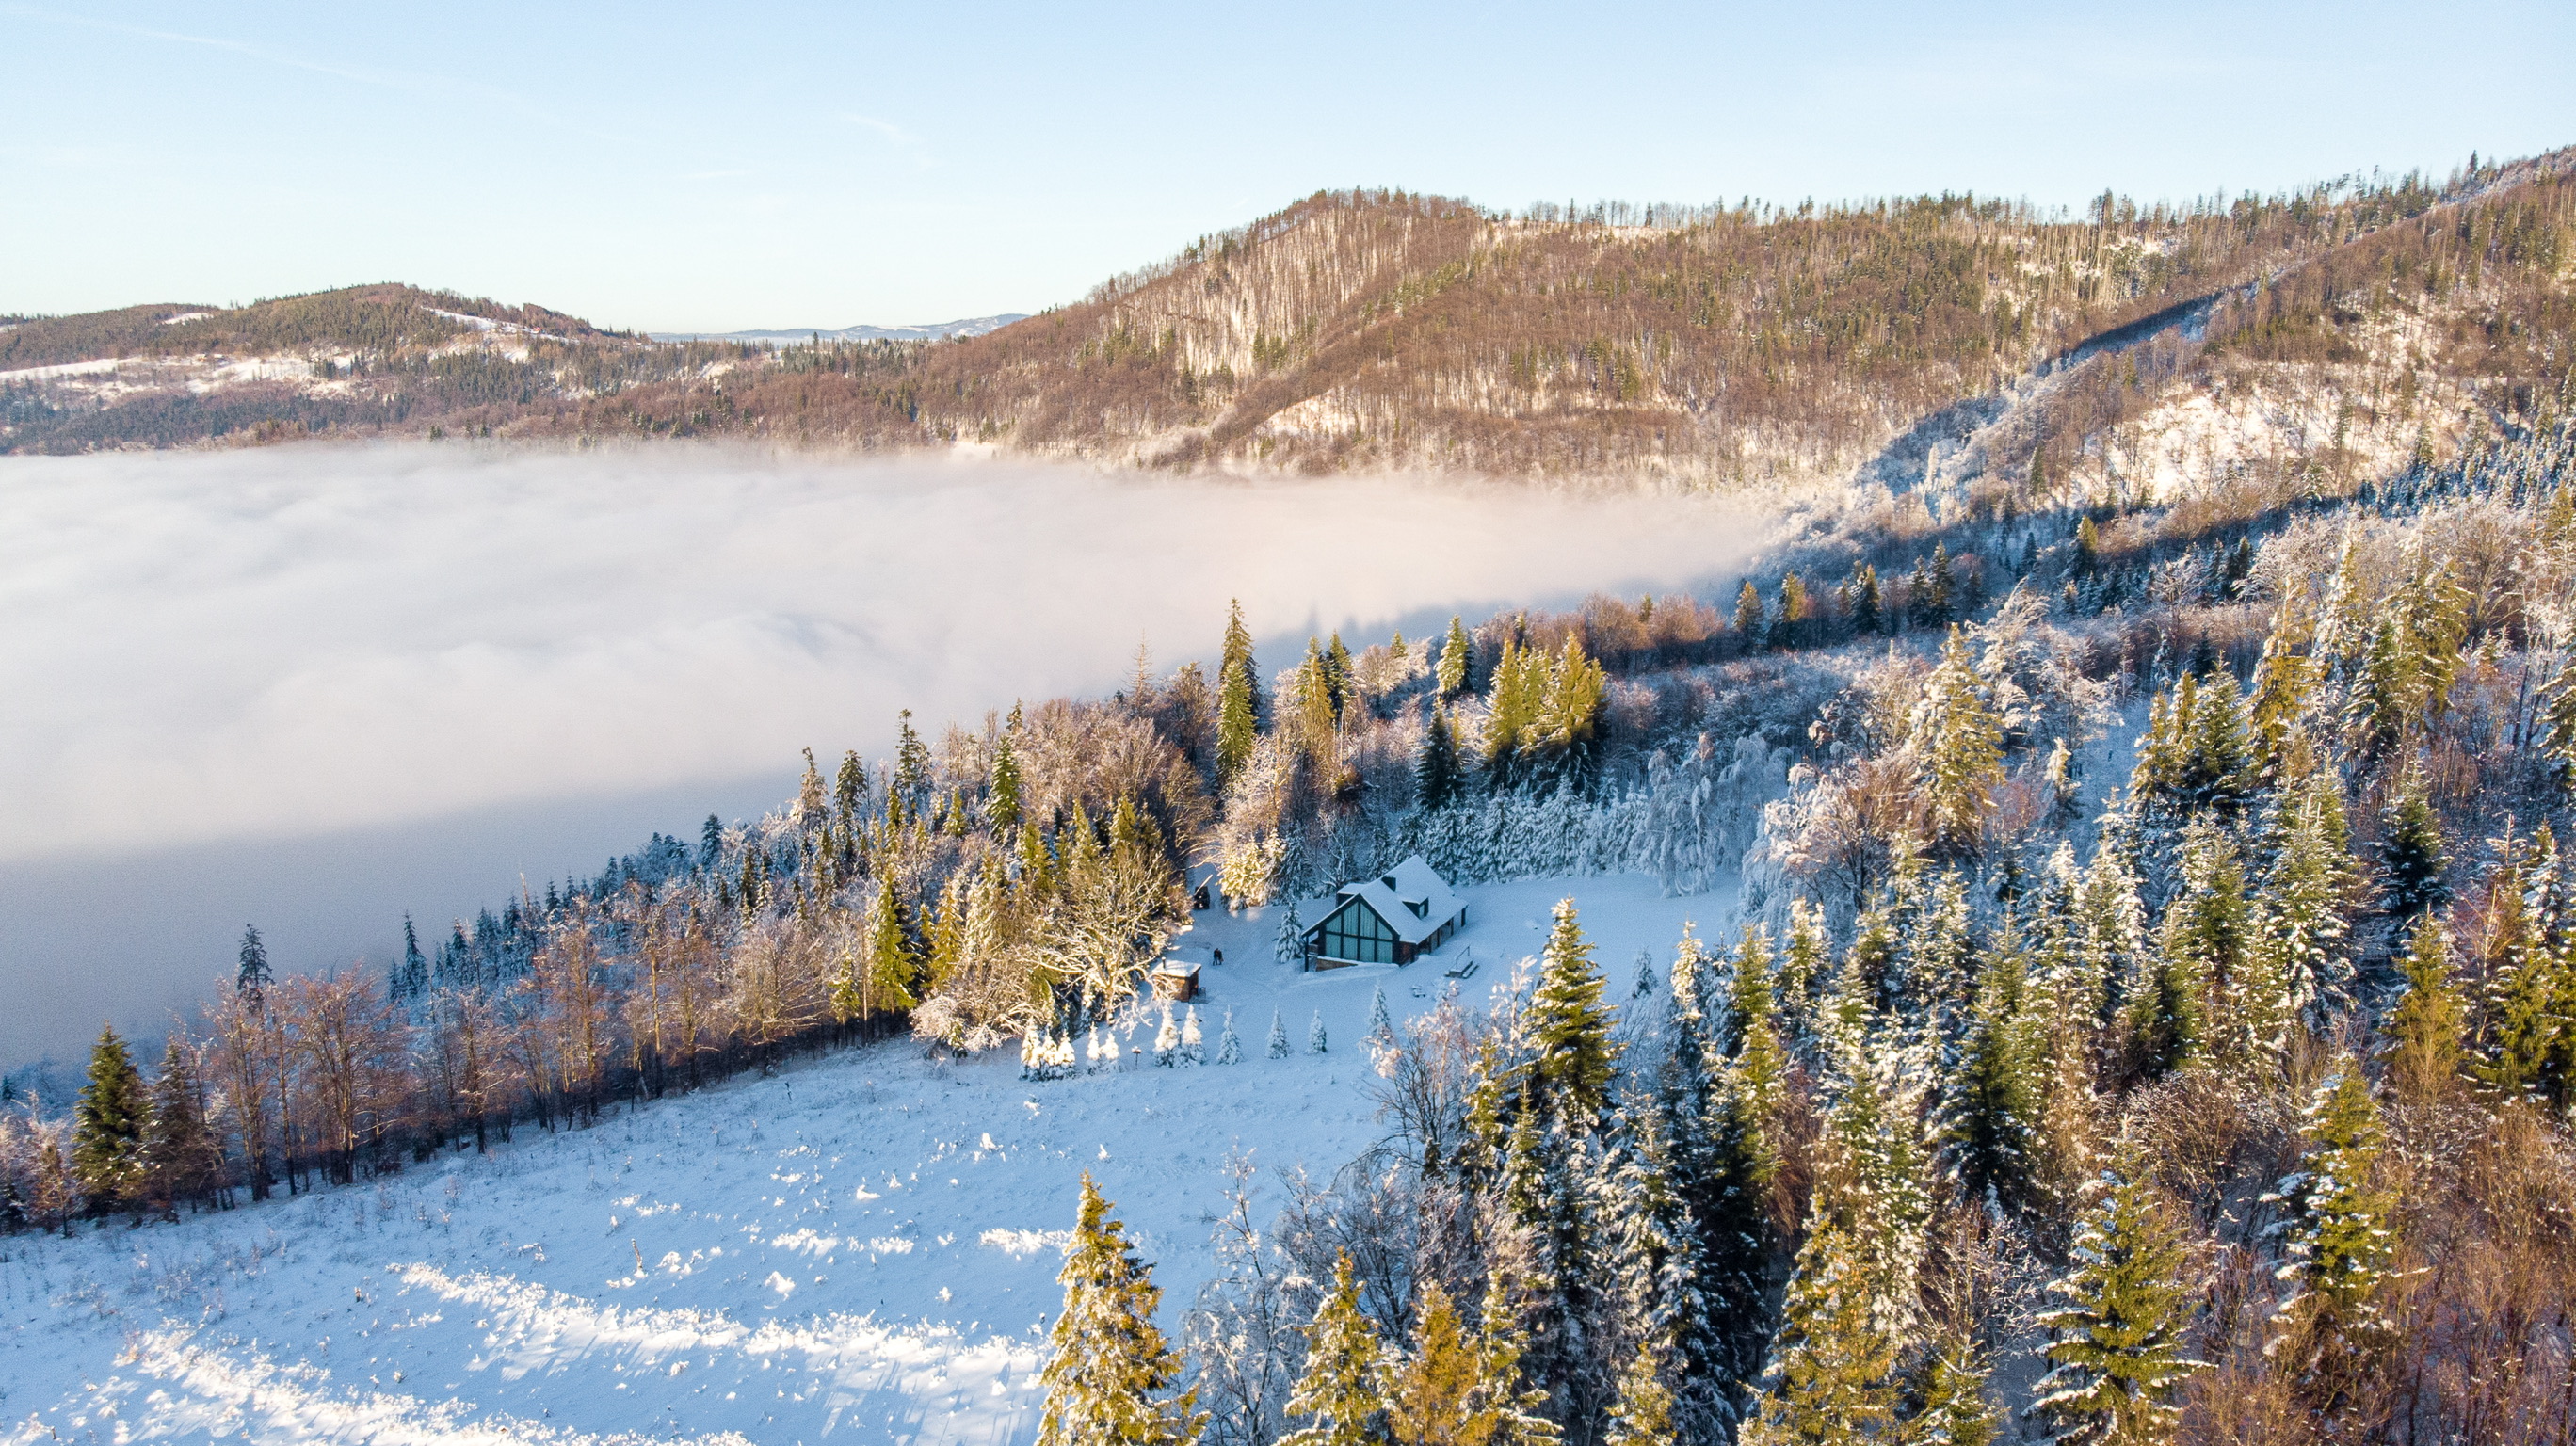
point(2117, 1350)
point(1457, 658)
point(2412, 859)
point(911, 765)
point(1642, 1413)
point(1229, 1047)
point(1831, 1376)
point(1002, 789)
point(1290, 945)
point(1947, 1403)
point(1643, 985)
point(253, 977)
point(1278, 1047)
point(1315, 1034)
point(2558, 719)
point(1238, 653)
point(1381, 1026)
point(1568, 1027)
point(849, 791)
point(2422, 1026)
point(1107, 1364)
point(179, 1159)
point(107, 1125)
point(1237, 722)
point(1339, 1394)
point(1958, 744)
point(1431, 1390)
point(2306, 968)
point(1991, 1116)
point(2341, 1227)
point(1437, 777)
point(1866, 604)
point(1500, 1395)
point(1193, 1042)
point(1748, 615)
point(1167, 1040)
point(893, 966)
point(2525, 1027)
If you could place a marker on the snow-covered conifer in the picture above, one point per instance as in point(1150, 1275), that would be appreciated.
point(1290, 945)
point(1990, 1116)
point(2422, 1026)
point(1229, 1048)
point(2117, 1350)
point(107, 1124)
point(179, 1159)
point(1381, 1027)
point(1339, 1393)
point(1645, 981)
point(1642, 1413)
point(1315, 1034)
point(1832, 1368)
point(1167, 1041)
point(1193, 1043)
point(1278, 1048)
point(1107, 1364)
point(1456, 653)
point(1569, 1027)
point(2341, 1229)
point(1947, 1403)
point(1958, 741)
point(2412, 859)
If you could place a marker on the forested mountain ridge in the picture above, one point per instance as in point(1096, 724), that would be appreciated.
point(1699, 347)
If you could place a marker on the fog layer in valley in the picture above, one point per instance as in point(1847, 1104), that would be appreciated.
point(319, 687)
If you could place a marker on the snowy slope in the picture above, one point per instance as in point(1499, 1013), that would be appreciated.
point(859, 1249)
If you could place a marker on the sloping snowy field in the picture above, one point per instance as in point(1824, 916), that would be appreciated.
point(862, 1248)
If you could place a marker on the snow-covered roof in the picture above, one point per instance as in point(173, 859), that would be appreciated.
point(1183, 959)
point(1412, 899)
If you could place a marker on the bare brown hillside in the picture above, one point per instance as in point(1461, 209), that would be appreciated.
point(1705, 347)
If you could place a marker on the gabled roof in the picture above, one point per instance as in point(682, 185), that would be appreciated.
point(1412, 899)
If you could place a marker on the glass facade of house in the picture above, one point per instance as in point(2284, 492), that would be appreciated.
point(1355, 932)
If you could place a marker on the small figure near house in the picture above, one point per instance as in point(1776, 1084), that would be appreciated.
point(1391, 919)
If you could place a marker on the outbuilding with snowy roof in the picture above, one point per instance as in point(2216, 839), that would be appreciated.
point(1391, 919)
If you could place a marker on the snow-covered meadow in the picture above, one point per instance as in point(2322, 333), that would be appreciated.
point(860, 1248)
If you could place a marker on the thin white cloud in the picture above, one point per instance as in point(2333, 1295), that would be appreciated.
point(909, 145)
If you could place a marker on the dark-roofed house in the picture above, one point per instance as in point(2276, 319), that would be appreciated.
point(1390, 919)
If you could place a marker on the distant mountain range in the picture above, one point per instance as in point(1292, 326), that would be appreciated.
point(1909, 344)
point(783, 336)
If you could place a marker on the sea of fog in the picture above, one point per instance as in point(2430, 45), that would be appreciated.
point(320, 688)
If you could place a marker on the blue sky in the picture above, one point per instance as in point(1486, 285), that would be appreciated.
point(782, 164)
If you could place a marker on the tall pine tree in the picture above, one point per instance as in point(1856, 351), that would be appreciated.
point(1107, 1363)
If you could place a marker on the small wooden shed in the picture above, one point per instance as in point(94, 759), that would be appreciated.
point(1176, 974)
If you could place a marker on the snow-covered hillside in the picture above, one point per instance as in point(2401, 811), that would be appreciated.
point(862, 1248)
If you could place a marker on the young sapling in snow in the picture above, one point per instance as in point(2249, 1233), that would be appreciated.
point(1193, 1044)
point(1315, 1034)
point(1381, 1028)
point(1278, 1037)
point(1229, 1050)
point(1167, 1041)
